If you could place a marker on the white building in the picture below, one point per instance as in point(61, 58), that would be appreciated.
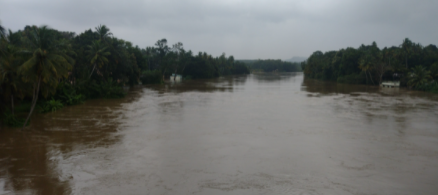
point(390, 84)
point(178, 77)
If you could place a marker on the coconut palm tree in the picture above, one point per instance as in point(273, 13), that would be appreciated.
point(409, 48)
point(46, 66)
point(103, 32)
point(98, 55)
point(418, 76)
point(2, 31)
point(366, 64)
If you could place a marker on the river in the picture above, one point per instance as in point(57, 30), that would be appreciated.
point(255, 134)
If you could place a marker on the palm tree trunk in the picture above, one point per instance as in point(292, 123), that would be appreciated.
point(164, 72)
point(182, 71)
point(371, 77)
point(366, 77)
point(176, 71)
point(34, 101)
point(12, 104)
point(92, 71)
point(380, 78)
point(389, 62)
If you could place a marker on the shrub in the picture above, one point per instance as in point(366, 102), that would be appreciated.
point(429, 87)
point(111, 89)
point(104, 89)
point(68, 95)
point(24, 106)
point(187, 78)
point(13, 121)
point(151, 77)
point(352, 79)
point(51, 105)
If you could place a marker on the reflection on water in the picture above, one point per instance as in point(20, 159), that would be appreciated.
point(255, 134)
point(275, 77)
point(372, 103)
point(28, 159)
point(222, 84)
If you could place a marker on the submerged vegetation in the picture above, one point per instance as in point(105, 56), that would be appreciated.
point(45, 69)
point(410, 63)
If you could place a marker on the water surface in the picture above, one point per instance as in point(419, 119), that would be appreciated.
point(255, 134)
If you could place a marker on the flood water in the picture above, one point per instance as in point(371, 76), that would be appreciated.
point(255, 134)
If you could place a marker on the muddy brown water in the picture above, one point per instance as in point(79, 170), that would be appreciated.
point(255, 134)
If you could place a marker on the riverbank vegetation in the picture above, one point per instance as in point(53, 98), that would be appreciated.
point(43, 69)
point(270, 65)
point(414, 65)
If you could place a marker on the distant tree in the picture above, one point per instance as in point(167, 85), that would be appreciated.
point(104, 33)
point(178, 52)
point(186, 59)
point(366, 64)
point(150, 53)
point(162, 50)
point(123, 65)
point(222, 63)
point(407, 48)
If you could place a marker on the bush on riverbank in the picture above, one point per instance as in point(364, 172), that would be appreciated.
point(51, 106)
point(151, 77)
point(12, 120)
point(352, 79)
point(102, 89)
point(429, 87)
point(67, 94)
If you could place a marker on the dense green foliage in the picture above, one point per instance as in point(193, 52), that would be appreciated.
point(430, 87)
point(176, 60)
point(68, 95)
point(352, 79)
point(12, 120)
point(50, 68)
point(51, 105)
point(419, 77)
point(273, 65)
point(412, 64)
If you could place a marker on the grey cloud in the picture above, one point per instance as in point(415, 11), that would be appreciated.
point(243, 28)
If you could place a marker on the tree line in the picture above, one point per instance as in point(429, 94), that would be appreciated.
point(62, 68)
point(271, 65)
point(414, 65)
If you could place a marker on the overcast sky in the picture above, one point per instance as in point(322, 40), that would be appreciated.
point(247, 29)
